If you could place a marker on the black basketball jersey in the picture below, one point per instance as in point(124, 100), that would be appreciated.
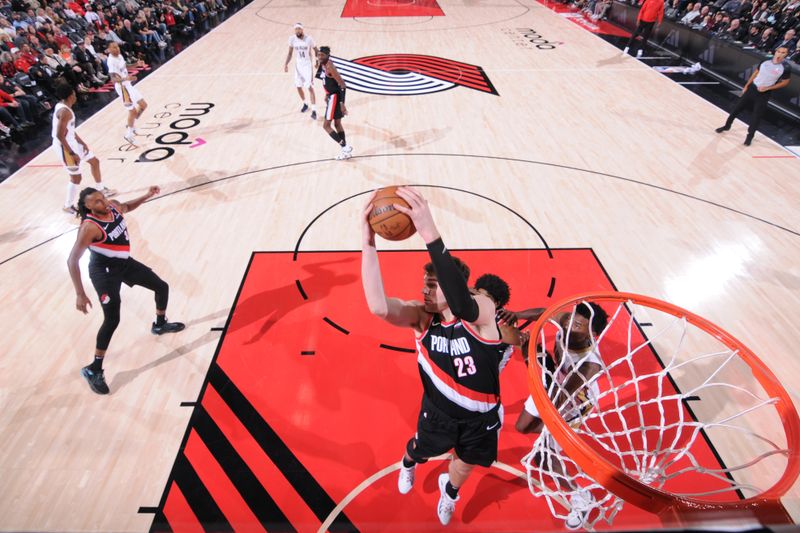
point(329, 83)
point(460, 370)
point(115, 243)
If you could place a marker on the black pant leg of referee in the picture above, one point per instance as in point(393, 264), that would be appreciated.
point(747, 98)
point(760, 101)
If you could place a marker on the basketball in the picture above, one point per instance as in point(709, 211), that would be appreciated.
point(387, 221)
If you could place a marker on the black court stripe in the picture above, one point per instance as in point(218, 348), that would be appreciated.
point(552, 287)
point(335, 325)
point(300, 288)
point(397, 349)
point(160, 524)
point(253, 493)
point(203, 505)
point(309, 489)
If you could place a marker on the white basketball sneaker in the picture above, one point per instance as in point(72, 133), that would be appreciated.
point(581, 503)
point(405, 481)
point(343, 155)
point(348, 149)
point(129, 137)
point(447, 505)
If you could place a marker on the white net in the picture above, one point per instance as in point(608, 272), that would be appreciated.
point(652, 406)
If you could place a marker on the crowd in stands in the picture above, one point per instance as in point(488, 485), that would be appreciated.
point(760, 24)
point(44, 41)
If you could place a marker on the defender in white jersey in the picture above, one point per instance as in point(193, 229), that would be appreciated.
point(71, 149)
point(302, 45)
point(131, 99)
point(575, 368)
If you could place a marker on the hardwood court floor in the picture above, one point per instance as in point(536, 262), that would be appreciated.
point(593, 149)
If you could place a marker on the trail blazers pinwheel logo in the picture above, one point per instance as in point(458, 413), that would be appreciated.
point(410, 74)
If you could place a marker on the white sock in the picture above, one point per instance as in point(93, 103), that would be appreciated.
point(72, 190)
point(130, 130)
point(99, 186)
point(314, 108)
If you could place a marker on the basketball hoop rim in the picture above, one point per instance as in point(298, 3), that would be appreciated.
point(624, 486)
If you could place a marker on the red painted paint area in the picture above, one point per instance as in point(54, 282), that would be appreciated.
point(391, 8)
point(347, 411)
point(177, 511)
point(583, 20)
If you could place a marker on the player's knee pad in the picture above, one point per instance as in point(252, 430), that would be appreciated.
point(412, 452)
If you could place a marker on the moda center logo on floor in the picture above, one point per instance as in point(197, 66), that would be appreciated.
point(178, 119)
point(411, 75)
point(530, 38)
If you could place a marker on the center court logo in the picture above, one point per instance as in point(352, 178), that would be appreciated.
point(411, 74)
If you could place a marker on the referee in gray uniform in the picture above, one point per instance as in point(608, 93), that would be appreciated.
point(770, 75)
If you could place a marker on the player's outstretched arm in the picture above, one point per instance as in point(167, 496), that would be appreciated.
point(133, 204)
point(395, 311)
point(512, 317)
point(476, 309)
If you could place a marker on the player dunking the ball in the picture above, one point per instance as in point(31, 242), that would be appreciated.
point(302, 45)
point(71, 149)
point(104, 232)
point(131, 99)
point(459, 351)
point(334, 98)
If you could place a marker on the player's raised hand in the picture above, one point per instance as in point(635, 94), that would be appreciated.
point(153, 190)
point(419, 212)
point(367, 233)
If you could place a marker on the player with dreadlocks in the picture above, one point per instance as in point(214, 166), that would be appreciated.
point(104, 232)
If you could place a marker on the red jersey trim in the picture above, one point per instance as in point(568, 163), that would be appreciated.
point(115, 247)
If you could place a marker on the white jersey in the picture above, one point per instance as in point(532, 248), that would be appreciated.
point(126, 91)
point(70, 136)
point(117, 65)
point(77, 153)
point(302, 49)
point(566, 368)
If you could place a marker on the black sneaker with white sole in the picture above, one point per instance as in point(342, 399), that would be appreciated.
point(96, 380)
point(313, 115)
point(167, 327)
point(304, 109)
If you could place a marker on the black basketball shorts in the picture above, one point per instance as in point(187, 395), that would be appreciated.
point(474, 440)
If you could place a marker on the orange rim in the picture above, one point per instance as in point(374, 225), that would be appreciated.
point(631, 490)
